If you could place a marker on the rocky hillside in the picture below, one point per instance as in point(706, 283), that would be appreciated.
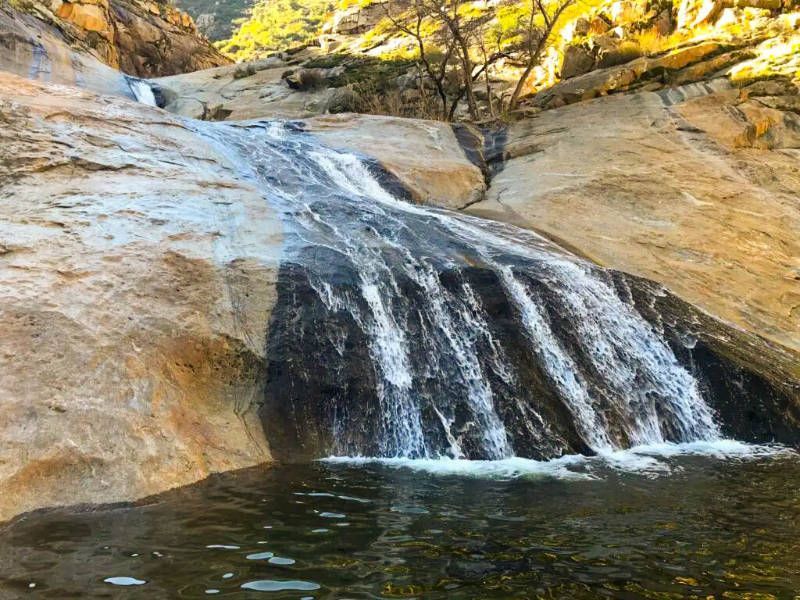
point(276, 25)
point(139, 37)
point(362, 65)
point(216, 19)
point(366, 51)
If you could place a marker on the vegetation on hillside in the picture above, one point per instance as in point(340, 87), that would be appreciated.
point(217, 19)
point(275, 25)
point(459, 43)
point(486, 59)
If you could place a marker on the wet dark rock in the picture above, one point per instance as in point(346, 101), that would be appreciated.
point(746, 379)
point(321, 393)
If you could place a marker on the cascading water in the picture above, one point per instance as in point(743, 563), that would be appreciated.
point(415, 332)
point(142, 91)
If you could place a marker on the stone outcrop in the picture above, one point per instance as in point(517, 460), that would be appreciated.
point(424, 156)
point(694, 13)
point(357, 19)
point(695, 187)
point(140, 37)
point(161, 41)
point(249, 91)
point(31, 49)
point(682, 65)
point(136, 285)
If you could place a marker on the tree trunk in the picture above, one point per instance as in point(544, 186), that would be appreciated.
point(512, 104)
point(466, 65)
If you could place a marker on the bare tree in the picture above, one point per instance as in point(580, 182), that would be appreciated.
point(453, 38)
point(461, 31)
point(535, 40)
point(467, 48)
point(434, 61)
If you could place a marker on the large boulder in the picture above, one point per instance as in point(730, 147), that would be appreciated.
point(696, 188)
point(425, 157)
point(578, 59)
point(136, 284)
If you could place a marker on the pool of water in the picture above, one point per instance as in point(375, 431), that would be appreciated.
point(634, 525)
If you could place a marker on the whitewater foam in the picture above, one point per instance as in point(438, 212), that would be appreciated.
point(650, 460)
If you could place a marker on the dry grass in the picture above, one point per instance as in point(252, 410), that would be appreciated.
point(370, 100)
point(651, 42)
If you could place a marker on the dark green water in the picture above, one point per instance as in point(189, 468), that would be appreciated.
point(709, 527)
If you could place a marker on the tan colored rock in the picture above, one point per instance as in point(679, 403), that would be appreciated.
point(126, 34)
point(580, 27)
point(249, 91)
point(663, 23)
point(91, 17)
point(425, 156)
point(598, 26)
point(34, 50)
point(623, 12)
point(683, 57)
point(136, 284)
point(751, 124)
point(578, 59)
point(620, 78)
point(659, 186)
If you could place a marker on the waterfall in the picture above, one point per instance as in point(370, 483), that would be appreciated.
point(421, 333)
point(142, 91)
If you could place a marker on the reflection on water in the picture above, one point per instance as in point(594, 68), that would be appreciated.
point(708, 527)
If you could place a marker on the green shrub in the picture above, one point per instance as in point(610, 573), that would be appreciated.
point(277, 25)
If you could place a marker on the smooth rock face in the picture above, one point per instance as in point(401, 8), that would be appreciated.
point(141, 38)
point(425, 156)
point(680, 187)
point(238, 92)
point(31, 49)
point(407, 331)
point(161, 41)
point(136, 285)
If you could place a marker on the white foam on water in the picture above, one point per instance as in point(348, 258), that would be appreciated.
point(649, 460)
point(124, 581)
point(506, 468)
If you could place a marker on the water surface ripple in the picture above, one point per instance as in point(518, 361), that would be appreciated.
point(697, 526)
